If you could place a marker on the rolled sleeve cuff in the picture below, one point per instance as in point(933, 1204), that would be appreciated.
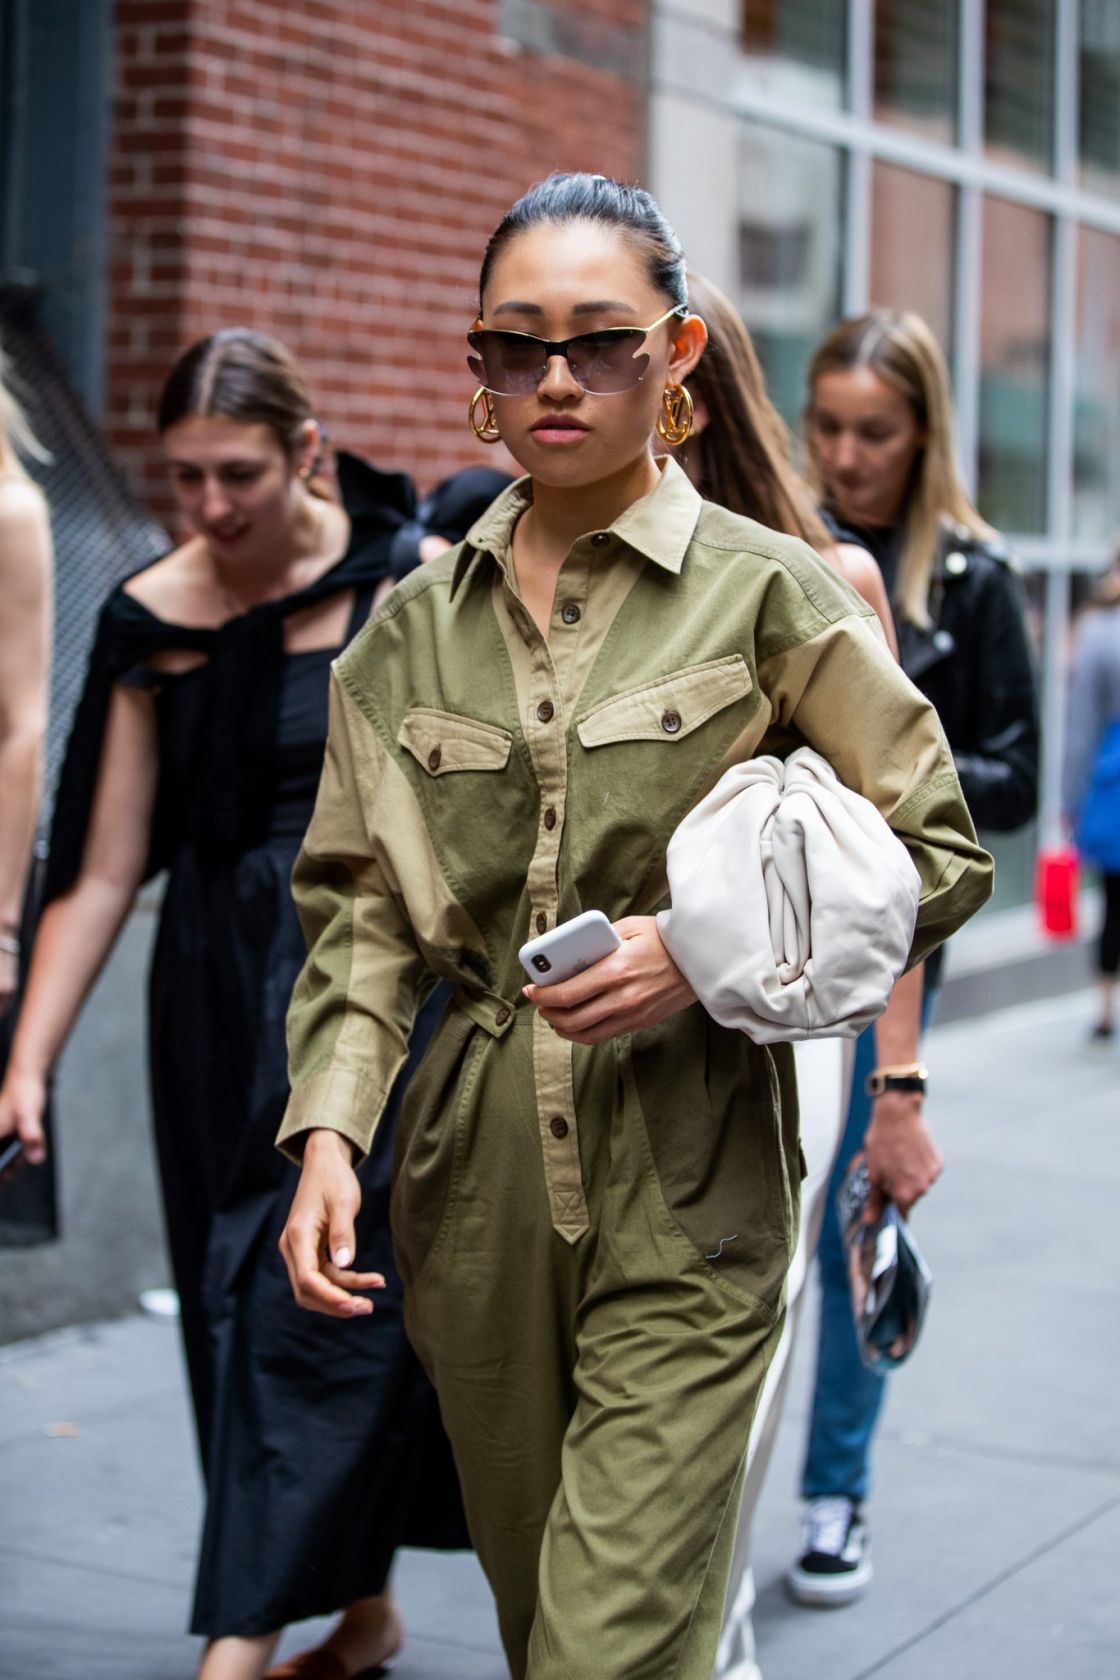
point(336, 1100)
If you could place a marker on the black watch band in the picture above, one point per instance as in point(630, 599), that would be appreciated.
point(878, 1083)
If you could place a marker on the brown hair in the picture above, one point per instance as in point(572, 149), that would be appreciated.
point(743, 454)
point(901, 349)
point(242, 375)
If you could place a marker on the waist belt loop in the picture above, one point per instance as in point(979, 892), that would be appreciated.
point(494, 1014)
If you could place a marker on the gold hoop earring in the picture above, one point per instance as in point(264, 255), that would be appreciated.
point(486, 431)
point(674, 420)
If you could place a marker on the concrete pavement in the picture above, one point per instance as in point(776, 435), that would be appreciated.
point(996, 1519)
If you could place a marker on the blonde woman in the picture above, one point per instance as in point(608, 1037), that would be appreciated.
point(25, 631)
point(879, 426)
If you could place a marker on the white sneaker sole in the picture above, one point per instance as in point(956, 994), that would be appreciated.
point(829, 1592)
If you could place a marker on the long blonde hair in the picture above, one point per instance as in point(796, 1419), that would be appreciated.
point(743, 454)
point(16, 436)
point(901, 349)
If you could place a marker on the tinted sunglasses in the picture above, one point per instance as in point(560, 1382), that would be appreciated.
point(512, 364)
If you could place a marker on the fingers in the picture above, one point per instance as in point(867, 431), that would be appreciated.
point(580, 989)
point(30, 1129)
point(318, 1240)
point(311, 1276)
point(342, 1244)
point(353, 1280)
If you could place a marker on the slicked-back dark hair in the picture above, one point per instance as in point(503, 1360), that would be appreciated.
point(596, 198)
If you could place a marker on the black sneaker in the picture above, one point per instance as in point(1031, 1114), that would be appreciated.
point(835, 1566)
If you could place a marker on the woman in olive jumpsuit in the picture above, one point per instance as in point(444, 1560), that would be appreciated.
point(595, 1186)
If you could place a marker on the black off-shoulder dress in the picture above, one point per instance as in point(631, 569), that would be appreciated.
point(320, 1439)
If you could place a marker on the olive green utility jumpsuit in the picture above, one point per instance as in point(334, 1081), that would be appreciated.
point(594, 1241)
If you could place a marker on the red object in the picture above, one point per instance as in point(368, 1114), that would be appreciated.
point(1055, 892)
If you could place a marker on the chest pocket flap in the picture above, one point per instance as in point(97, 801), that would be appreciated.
point(668, 708)
point(443, 741)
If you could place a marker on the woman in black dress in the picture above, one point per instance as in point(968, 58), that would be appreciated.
point(196, 750)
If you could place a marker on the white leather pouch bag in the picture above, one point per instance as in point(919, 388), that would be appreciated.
point(793, 904)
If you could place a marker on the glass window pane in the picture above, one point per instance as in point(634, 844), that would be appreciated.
point(1099, 77)
point(1014, 365)
point(1096, 413)
point(1019, 78)
point(913, 237)
point(797, 48)
point(1014, 854)
point(916, 65)
point(789, 230)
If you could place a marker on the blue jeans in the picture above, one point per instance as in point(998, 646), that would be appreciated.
point(847, 1397)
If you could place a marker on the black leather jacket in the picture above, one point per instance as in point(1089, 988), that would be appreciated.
point(974, 665)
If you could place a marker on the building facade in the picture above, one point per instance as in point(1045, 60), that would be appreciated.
point(329, 171)
point(958, 157)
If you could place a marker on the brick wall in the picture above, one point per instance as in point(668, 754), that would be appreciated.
point(329, 171)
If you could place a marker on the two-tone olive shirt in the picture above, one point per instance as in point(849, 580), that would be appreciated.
point(483, 783)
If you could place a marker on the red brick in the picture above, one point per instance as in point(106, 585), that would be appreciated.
point(331, 174)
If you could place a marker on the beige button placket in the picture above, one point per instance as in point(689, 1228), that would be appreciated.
point(549, 676)
point(543, 719)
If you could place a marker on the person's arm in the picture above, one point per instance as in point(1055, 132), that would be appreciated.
point(843, 694)
point(351, 1013)
point(77, 930)
point(859, 569)
point(903, 1162)
point(25, 631)
point(999, 775)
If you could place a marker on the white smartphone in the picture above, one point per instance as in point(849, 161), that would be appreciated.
point(569, 948)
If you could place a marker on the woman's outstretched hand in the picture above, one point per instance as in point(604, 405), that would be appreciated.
point(318, 1241)
point(23, 1100)
point(636, 986)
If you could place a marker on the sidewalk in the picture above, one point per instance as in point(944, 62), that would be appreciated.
point(997, 1518)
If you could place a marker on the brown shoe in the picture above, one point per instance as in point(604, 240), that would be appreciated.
point(321, 1664)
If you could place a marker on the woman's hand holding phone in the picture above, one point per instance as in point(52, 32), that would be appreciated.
point(635, 987)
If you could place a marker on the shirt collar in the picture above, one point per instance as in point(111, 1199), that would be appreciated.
point(658, 526)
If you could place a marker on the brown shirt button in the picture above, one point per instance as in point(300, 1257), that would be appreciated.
point(542, 922)
point(546, 711)
point(434, 758)
point(558, 1126)
point(600, 539)
point(502, 1015)
point(570, 613)
point(670, 722)
point(550, 817)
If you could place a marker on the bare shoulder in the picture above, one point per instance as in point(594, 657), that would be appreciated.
point(859, 569)
point(23, 508)
point(25, 534)
point(174, 587)
point(20, 496)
